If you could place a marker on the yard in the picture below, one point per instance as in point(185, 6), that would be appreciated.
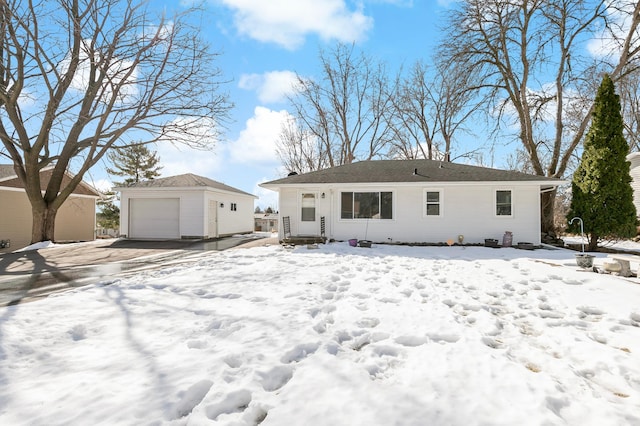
point(339, 335)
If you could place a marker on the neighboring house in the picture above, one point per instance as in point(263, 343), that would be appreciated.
point(266, 222)
point(634, 159)
point(184, 206)
point(75, 221)
point(413, 201)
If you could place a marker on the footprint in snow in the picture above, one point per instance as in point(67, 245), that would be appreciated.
point(492, 343)
point(571, 281)
point(275, 378)
point(190, 398)
point(313, 312)
point(235, 402)
point(196, 344)
point(590, 313)
point(385, 350)
point(233, 361)
point(78, 332)
point(368, 322)
point(299, 352)
point(411, 341)
point(443, 337)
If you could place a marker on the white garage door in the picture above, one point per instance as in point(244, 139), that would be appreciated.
point(154, 218)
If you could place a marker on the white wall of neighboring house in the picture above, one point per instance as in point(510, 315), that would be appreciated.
point(466, 209)
point(634, 159)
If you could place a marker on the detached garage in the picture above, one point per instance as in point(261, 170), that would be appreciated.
point(184, 207)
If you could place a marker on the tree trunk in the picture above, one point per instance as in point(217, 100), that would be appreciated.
point(592, 242)
point(43, 226)
point(547, 207)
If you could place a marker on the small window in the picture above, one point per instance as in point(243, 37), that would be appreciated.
point(433, 203)
point(308, 213)
point(234, 207)
point(503, 203)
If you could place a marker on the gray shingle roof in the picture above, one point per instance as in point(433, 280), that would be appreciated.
point(6, 170)
point(188, 180)
point(397, 171)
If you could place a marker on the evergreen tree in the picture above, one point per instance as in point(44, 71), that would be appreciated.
point(109, 215)
point(136, 162)
point(602, 194)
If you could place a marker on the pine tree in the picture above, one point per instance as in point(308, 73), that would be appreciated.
point(109, 215)
point(602, 194)
point(136, 162)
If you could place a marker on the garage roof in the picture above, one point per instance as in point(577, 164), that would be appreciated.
point(187, 180)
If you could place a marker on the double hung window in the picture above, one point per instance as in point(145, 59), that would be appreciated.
point(503, 203)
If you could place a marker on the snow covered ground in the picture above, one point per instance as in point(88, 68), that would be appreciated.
point(337, 335)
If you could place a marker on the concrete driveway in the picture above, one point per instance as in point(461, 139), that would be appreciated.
point(29, 275)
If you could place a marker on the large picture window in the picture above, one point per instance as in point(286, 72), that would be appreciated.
point(503, 203)
point(366, 205)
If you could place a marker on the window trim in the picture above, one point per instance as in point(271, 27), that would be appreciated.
point(440, 191)
point(495, 203)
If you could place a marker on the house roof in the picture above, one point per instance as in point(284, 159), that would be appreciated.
point(6, 170)
point(9, 179)
point(404, 171)
point(187, 180)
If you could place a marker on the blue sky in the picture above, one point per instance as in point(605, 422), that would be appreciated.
point(262, 44)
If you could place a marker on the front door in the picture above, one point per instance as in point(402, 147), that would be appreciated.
point(308, 214)
point(213, 219)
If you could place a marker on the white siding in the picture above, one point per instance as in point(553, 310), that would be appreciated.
point(467, 210)
point(194, 210)
point(635, 178)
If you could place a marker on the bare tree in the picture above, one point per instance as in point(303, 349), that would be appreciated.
point(629, 89)
point(529, 54)
point(80, 77)
point(428, 108)
point(411, 117)
point(344, 106)
point(300, 150)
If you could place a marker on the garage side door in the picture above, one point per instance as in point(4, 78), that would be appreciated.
point(154, 218)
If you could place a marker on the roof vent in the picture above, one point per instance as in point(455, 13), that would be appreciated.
point(415, 172)
point(292, 173)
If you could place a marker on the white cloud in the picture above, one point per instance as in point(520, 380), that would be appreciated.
point(266, 197)
point(609, 41)
point(179, 159)
point(257, 142)
point(272, 86)
point(287, 23)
